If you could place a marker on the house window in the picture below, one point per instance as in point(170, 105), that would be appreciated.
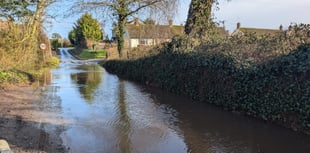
point(143, 42)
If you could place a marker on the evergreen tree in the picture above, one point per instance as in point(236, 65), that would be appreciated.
point(56, 41)
point(72, 37)
point(87, 31)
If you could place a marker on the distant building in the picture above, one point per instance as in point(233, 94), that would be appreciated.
point(240, 31)
point(139, 34)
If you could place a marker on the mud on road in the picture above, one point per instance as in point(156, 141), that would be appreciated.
point(24, 123)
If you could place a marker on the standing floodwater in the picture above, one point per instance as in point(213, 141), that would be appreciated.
point(104, 114)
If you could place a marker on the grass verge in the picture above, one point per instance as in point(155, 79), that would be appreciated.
point(92, 54)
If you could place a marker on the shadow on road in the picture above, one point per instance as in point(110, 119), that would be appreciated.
point(29, 136)
point(27, 124)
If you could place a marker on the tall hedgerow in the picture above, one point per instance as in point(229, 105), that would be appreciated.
point(267, 77)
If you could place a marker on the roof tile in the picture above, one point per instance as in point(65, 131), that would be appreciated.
point(147, 31)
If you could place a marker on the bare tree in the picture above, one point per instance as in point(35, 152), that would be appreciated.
point(121, 10)
point(27, 12)
point(39, 13)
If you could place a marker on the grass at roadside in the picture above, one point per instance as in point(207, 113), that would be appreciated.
point(15, 77)
point(90, 54)
point(20, 76)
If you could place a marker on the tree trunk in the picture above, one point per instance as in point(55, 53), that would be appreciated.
point(120, 35)
point(37, 18)
point(199, 17)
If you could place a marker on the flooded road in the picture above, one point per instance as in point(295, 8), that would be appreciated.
point(104, 114)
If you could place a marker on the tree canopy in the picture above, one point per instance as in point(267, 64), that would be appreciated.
point(72, 37)
point(13, 10)
point(56, 36)
point(56, 41)
point(149, 21)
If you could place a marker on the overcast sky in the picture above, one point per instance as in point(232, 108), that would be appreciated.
point(250, 13)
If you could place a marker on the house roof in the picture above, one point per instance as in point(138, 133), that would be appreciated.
point(147, 31)
point(259, 31)
point(138, 30)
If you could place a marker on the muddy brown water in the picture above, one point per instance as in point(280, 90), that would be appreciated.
point(104, 114)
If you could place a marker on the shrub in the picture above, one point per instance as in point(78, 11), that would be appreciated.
point(13, 77)
point(53, 62)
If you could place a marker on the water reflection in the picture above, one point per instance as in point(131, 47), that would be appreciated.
point(209, 129)
point(124, 125)
point(44, 80)
point(88, 80)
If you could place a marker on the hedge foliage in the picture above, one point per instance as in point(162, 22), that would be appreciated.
point(267, 77)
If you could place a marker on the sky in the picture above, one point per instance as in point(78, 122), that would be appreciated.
point(268, 14)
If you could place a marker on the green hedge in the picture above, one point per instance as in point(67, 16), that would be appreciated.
point(276, 90)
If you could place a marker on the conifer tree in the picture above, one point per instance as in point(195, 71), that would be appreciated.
point(87, 31)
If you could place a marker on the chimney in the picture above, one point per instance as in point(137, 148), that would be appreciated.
point(281, 27)
point(170, 22)
point(238, 25)
point(290, 28)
